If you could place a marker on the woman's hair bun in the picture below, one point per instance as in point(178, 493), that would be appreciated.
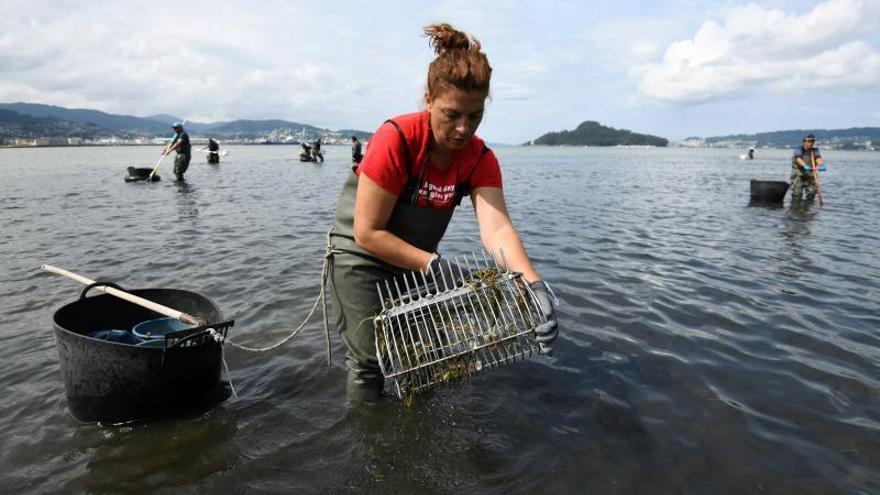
point(443, 37)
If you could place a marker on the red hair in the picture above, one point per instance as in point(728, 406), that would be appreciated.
point(459, 64)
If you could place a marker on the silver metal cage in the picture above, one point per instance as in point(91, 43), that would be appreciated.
point(441, 328)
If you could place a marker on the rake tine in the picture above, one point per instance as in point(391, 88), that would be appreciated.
point(504, 259)
point(409, 292)
point(461, 274)
point(381, 296)
point(415, 281)
point(399, 294)
point(486, 259)
point(446, 283)
point(425, 282)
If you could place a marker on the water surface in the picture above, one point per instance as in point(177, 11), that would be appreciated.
point(707, 346)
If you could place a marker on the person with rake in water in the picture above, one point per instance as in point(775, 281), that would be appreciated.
point(398, 201)
point(803, 185)
point(180, 144)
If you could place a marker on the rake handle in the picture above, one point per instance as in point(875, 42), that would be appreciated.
point(140, 301)
point(155, 169)
point(816, 178)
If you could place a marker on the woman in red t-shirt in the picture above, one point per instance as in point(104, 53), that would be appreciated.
point(396, 205)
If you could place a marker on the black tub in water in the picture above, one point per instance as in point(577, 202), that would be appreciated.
point(114, 382)
point(767, 191)
point(140, 174)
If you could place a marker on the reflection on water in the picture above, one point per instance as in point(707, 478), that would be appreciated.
point(187, 200)
point(771, 205)
point(145, 457)
point(796, 258)
point(706, 346)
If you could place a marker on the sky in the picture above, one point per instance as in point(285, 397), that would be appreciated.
point(670, 68)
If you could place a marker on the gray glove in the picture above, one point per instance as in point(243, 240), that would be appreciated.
point(547, 332)
point(447, 274)
point(439, 275)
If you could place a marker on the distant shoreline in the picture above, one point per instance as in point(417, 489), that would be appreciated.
point(128, 145)
point(239, 143)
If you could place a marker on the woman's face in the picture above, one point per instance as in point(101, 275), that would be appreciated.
point(455, 116)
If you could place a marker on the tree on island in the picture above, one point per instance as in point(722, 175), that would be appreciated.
point(591, 133)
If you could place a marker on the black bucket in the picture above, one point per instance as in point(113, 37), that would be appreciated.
point(114, 382)
point(767, 191)
point(140, 174)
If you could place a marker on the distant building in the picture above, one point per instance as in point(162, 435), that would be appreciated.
point(692, 142)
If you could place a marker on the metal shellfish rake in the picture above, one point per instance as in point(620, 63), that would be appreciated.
point(442, 327)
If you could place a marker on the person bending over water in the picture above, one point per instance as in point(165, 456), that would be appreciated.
point(396, 204)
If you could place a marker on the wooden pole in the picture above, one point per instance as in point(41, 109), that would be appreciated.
point(140, 301)
point(816, 178)
point(155, 169)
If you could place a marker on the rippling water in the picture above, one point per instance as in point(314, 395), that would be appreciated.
point(707, 346)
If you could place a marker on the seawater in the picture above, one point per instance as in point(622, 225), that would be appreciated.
point(706, 347)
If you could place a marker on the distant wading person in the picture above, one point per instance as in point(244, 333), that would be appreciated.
point(316, 151)
point(180, 144)
point(802, 184)
point(356, 154)
point(396, 204)
point(213, 151)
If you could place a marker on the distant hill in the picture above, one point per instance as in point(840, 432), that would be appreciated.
point(50, 121)
point(842, 138)
point(120, 123)
point(195, 127)
point(591, 133)
point(15, 125)
point(259, 127)
point(164, 117)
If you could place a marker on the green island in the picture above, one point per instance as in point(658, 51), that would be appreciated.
point(592, 133)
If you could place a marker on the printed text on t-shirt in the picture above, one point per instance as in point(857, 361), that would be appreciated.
point(440, 196)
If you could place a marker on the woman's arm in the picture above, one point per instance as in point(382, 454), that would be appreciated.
point(496, 230)
point(372, 209)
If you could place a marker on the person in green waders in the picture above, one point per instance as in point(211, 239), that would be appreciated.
point(396, 204)
point(180, 143)
point(802, 184)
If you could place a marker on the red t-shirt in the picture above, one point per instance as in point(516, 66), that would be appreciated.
point(385, 163)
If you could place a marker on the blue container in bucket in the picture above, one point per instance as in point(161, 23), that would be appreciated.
point(121, 336)
point(156, 329)
point(152, 343)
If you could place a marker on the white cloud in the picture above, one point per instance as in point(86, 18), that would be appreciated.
point(353, 63)
point(641, 50)
point(760, 49)
point(208, 62)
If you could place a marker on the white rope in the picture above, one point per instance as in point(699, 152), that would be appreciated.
point(218, 337)
point(228, 375)
point(325, 273)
